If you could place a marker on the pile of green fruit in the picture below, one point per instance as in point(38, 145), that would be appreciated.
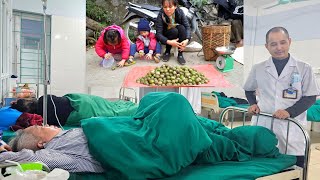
point(173, 76)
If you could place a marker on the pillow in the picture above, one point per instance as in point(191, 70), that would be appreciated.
point(8, 117)
point(257, 140)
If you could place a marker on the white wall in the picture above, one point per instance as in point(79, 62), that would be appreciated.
point(299, 18)
point(68, 71)
point(68, 8)
point(68, 53)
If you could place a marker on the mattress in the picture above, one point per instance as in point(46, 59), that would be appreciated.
point(257, 167)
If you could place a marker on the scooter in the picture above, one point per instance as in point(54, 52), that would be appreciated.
point(137, 11)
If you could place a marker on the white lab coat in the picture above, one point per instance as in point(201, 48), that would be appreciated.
point(194, 97)
point(264, 78)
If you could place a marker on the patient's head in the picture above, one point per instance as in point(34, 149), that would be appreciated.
point(33, 137)
point(25, 105)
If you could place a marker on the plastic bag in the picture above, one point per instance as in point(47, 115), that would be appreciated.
point(27, 175)
point(38, 175)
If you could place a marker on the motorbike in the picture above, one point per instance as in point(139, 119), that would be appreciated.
point(137, 11)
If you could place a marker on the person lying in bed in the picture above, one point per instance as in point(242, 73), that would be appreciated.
point(71, 108)
point(67, 150)
point(160, 139)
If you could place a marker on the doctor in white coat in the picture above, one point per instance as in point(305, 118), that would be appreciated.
point(282, 86)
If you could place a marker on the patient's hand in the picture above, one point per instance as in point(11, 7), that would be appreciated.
point(281, 114)
point(254, 109)
point(5, 147)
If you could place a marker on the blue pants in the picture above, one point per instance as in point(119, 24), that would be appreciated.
point(133, 49)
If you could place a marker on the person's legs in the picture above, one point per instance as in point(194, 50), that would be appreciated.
point(133, 50)
point(236, 31)
point(300, 161)
point(158, 48)
point(170, 34)
point(157, 53)
point(182, 36)
point(117, 57)
point(146, 50)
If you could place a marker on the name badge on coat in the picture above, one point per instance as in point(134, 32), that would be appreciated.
point(291, 92)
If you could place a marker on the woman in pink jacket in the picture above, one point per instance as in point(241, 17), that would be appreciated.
point(111, 42)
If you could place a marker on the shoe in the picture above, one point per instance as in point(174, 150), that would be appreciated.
point(181, 60)
point(156, 59)
point(129, 62)
point(166, 57)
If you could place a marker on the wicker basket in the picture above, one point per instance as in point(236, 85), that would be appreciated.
point(214, 36)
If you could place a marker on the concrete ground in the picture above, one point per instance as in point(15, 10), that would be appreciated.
point(106, 82)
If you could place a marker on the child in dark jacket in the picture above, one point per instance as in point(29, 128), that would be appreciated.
point(146, 44)
point(112, 42)
point(173, 29)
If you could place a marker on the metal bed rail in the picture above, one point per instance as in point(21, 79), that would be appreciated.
point(305, 133)
point(124, 96)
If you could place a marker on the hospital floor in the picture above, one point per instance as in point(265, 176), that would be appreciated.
point(314, 164)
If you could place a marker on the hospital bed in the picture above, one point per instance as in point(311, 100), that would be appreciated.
point(257, 168)
point(280, 168)
point(289, 173)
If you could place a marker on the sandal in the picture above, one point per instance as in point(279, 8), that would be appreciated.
point(129, 62)
point(156, 58)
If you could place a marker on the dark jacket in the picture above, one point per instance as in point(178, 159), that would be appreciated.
point(161, 26)
point(63, 109)
point(227, 8)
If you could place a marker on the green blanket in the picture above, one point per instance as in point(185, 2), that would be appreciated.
point(87, 106)
point(226, 170)
point(224, 101)
point(165, 136)
point(313, 113)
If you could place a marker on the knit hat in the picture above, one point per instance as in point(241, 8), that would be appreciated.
point(143, 25)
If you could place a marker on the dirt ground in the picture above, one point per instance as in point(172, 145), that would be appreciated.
point(106, 82)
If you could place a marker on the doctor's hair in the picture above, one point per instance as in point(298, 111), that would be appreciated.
point(112, 36)
point(24, 140)
point(173, 2)
point(277, 29)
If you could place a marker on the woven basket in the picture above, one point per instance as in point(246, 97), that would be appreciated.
point(214, 36)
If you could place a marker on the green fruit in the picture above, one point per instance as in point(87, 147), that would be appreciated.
point(166, 75)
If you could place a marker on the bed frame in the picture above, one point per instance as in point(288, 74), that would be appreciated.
point(292, 173)
point(128, 94)
point(210, 103)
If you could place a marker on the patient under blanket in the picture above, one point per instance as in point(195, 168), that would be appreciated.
point(69, 109)
point(165, 136)
point(87, 106)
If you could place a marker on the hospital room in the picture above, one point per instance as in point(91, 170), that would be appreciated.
point(79, 102)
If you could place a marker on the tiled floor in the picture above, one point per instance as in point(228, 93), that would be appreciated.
point(314, 164)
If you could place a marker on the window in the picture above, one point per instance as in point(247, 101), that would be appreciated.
point(28, 61)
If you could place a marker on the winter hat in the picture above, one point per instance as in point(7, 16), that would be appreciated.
point(143, 25)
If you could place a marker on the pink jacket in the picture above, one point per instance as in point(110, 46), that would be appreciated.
point(152, 45)
point(123, 48)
